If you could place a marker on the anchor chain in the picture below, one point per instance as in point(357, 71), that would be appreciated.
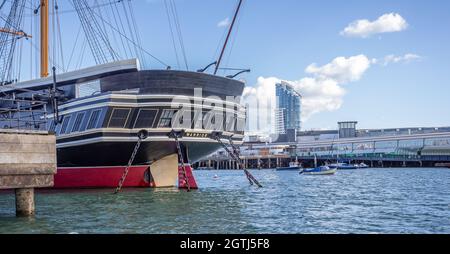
point(175, 135)
point(142, 135)
point(235, 156)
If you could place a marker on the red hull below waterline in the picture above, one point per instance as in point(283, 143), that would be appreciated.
point(109, 177)
point(102, 177)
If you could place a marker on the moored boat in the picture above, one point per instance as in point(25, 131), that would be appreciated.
point(293, 166)
point(322, 170)
point(362, 165)
point(343, 166)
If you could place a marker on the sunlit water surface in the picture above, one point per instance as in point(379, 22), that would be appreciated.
point(361, 201)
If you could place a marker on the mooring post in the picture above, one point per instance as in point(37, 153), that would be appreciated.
point(25, 202)
point(21, 172)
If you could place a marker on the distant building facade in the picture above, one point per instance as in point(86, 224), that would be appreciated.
point(279, 121)
point(347, 129)
point(288, 110)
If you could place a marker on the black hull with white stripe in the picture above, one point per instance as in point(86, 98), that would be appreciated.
point(105, 107)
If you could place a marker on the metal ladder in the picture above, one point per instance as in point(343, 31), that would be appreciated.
point(176, 135)
point(142, 135)
point(235, 156)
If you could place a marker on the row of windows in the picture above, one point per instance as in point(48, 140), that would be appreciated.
point(382, 146)
point(438, 142)
point(146, 118)
point(170, 118)
point(76, 126)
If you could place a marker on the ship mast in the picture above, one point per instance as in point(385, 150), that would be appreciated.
point(44, 38)
point(228, 36)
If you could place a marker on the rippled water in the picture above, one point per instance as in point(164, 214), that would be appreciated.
point(362, 201)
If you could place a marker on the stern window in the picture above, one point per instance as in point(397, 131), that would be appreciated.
point(52, 126)
point(119, 117)
point(78, 121)
point(166, 118)
point(145, 118)
point(95, 115)
point(64, 126)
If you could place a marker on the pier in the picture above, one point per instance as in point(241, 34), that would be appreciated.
point(27, 161)
point(415, 148)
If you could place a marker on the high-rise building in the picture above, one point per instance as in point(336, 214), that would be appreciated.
point(279, 121)
point(288, 110)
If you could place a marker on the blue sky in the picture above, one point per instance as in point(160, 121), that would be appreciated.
point(282, 38)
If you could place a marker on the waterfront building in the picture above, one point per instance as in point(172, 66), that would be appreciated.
point(279, 121)
point(426, 146)
point(288, 109)
point(347, 129)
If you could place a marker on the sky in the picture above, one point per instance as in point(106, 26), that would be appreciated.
point(382, 63)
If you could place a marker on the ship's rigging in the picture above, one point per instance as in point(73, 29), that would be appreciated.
point(100, 20)
point(97, 38)
point(109, 31)
point(31, 36)
point(9, 37)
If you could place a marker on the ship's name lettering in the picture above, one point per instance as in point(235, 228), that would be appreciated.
point(196, 135)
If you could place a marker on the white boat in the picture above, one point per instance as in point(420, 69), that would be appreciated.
point(322, 170)
point(343, 166)
point(362, 165)
point(293, 166)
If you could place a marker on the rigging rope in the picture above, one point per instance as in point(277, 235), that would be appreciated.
point(108, 17)
point(178, 27)
point(133, 18)
point(131, 41)
point(172, 35)
point(130, 28)
point(180, 35)
point(117, 25)
point(58, 25)
point(7, 49)
point(3, 3)
point(121, 25)
point(74, 47)
point(97, 38)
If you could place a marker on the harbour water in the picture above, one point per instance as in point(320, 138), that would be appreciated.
point(361, 201)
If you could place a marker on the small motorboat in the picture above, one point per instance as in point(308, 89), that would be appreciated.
point(204, 168)
point(362, 165)
point(293, 166)
point(322, 170)
point(343, 166)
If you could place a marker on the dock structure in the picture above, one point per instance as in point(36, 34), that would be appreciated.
point(415, 148)
point(27, 161)
point(443, 165)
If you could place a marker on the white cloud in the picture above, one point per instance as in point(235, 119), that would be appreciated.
point(388, 23)
point(341, 69)
point(224, 23)
point(322, 91)
point(407, 58)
